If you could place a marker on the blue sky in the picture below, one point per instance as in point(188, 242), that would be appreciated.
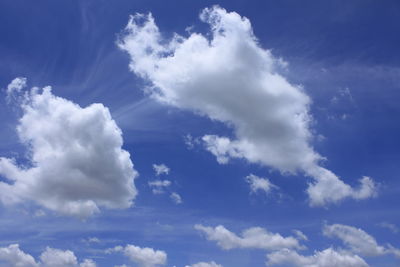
point(266, 114)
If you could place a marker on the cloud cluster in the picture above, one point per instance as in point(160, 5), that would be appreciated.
point(51, 257)
point(159, 186)
point(326, 258)
point(358, 241)
point(284, 250)
point(144, 257)
point(205, 264)
point(76, 161)
point(255, 237)
point(230, 78)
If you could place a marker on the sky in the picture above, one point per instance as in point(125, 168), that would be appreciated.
point(199, 133)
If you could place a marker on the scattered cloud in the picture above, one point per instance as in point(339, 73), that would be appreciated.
point(91, 240)
point(205, 264)
point(162, 186)
point(358, 240)
point(159, 186)
point(51, 257)
point(144, 257)
point(255, 237)
point(76, 160)
point(176, 198)
point(392, 227)
point(300, 235)
point(230, 78)
point(191, 141)
point(161, 169)
point(258, 184)
point(88, 263)
point(14, 88)
point(326, 258)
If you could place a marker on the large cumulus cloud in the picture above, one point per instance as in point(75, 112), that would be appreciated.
point(76, 163)
point(230, 78)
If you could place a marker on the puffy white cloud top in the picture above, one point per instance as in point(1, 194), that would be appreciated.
point(326, 258)
point(160, 169)
point(51, 257)
point(205, 264)
point(230, 78)
point(76, 161)
point(259, 184)
point(16, 257)
point(144, 257)
point(358, 240)
point(255, 237)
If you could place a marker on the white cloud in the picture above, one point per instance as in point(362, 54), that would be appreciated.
point(88, 263)
point(16, 257)
point(392, 227)
point(77, 164)
point(91, 240)
point(232, 79)
point(190, 141)
point(15, 87)
point(326, 258)
point(158, 186)
point(52, 257)
point(358, 240)
point(300, 235)
point(259, 184)
point(176, 198)
point(254, 237)
point(205, 264)
point(160, 169)
point(144, 257)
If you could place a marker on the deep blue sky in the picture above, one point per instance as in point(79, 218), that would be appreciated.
point(331, 46)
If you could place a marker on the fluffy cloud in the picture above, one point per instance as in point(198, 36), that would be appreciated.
point(205, 264)
point(160, 169)
point(58, 258)
point(145, 257)
point(15, 87)
point(176, 198)
point(88, 263)
point(254, 237)
point(259, 184)
point(49, 258)
point(16, 257)
point(158, 186)
point(300, 235)
point(358, 240)
point(76, 163)
point(393, 228)
point(230, 78)
point(325, 258)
